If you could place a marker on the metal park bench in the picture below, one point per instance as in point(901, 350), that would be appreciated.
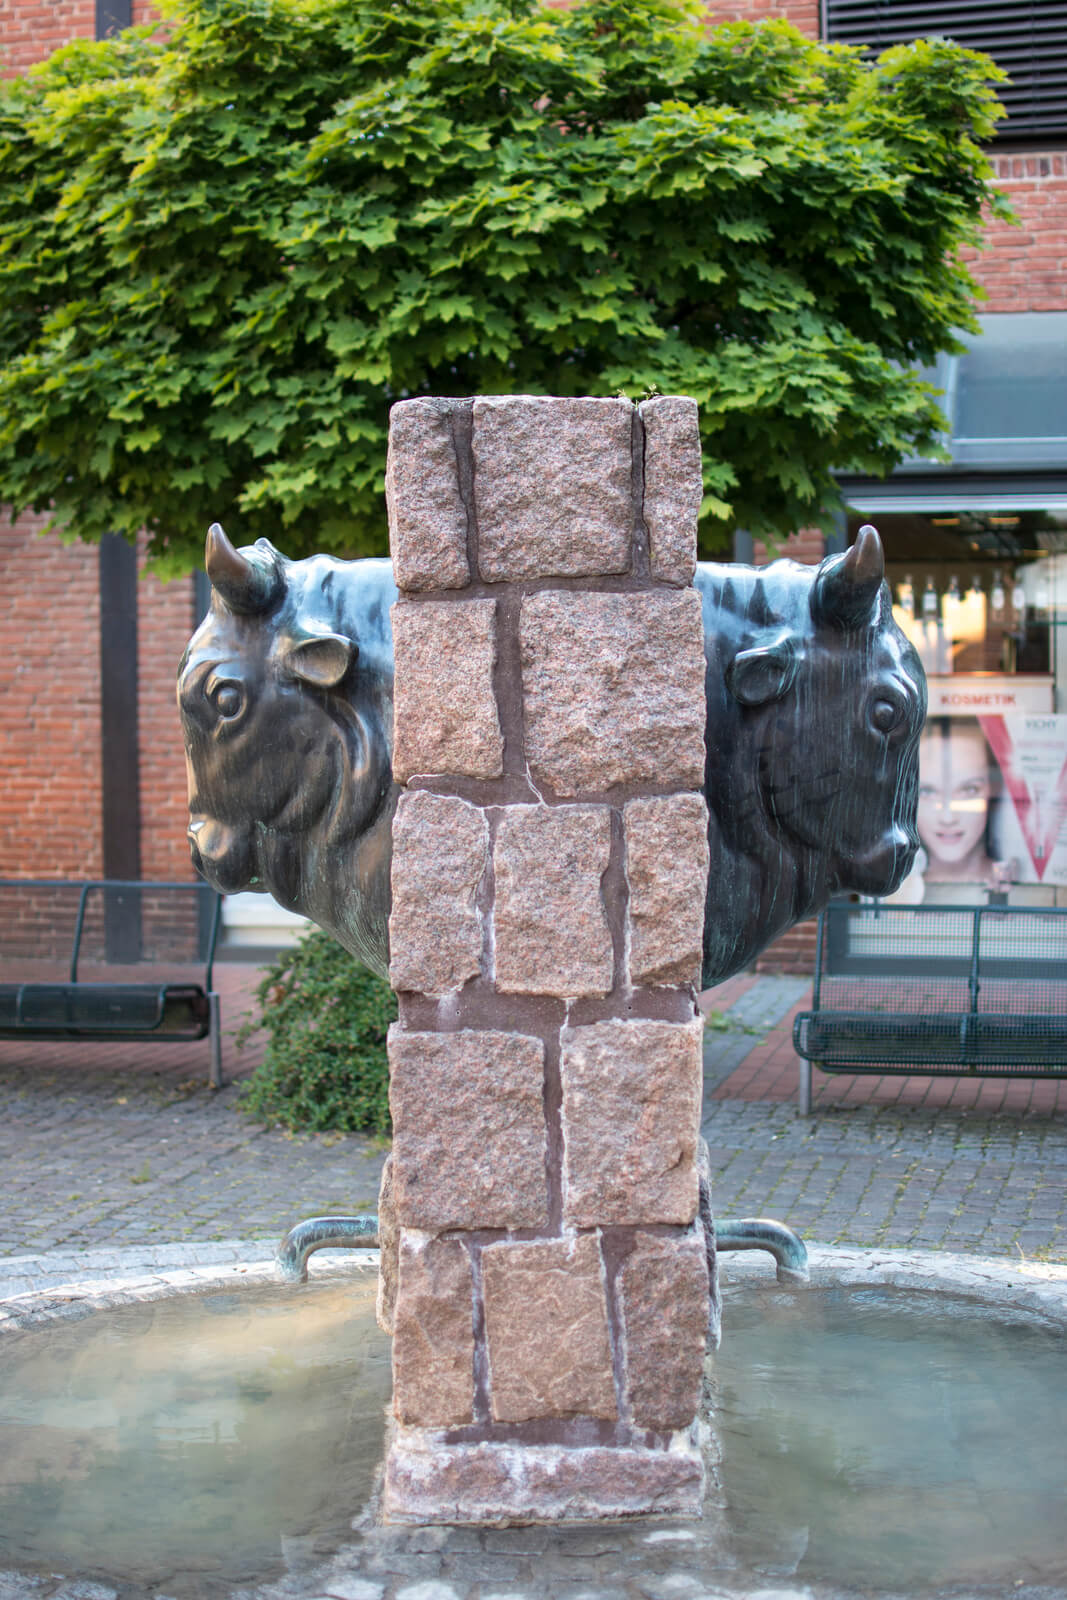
point(960, 990)
point(74, 955)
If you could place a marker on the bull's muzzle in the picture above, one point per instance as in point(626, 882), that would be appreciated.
point(883, 869)
point(222, 853)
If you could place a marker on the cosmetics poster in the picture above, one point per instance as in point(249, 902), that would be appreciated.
point(1029, 829)
point(992, 806)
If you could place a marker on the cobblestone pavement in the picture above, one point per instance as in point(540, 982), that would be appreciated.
point(958, 1164)
point(105, 1144)
point(123, 1145)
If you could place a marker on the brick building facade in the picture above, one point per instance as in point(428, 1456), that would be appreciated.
point(32, 29)
point(1024, 268)
point(54, 622)
point(64, 777)
point(51, 719)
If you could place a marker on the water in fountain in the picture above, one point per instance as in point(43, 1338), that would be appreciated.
point(875, 1439)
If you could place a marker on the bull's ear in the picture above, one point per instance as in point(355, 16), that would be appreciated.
point(756, 676)
point(321, 659)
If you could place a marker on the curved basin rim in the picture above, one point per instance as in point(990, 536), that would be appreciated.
point(1030, 1285)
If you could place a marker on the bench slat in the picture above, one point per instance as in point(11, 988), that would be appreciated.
point(973, 991)
point(105, 1010)
point(112, 924)
point(838, 1041)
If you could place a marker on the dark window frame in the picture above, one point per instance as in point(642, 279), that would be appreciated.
point(1028, 38)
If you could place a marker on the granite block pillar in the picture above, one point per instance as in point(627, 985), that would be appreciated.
point(547, 1279)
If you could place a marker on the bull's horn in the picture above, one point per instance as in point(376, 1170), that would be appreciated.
point(246, 586)
point(847, 586)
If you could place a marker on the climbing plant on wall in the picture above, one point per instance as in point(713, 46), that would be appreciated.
point(227, 247)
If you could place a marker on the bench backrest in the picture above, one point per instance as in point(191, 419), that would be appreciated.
point(927, 959)
point(106, 929)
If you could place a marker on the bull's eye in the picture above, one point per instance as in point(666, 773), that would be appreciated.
point(228, 699)
point(886, 714)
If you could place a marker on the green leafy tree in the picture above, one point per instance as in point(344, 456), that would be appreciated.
point(227, 248)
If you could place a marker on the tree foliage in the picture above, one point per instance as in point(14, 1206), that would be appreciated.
point(226, 248)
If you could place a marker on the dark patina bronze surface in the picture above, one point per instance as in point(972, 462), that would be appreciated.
point(815, 702)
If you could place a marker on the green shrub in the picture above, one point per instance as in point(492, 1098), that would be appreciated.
point(325, 1066)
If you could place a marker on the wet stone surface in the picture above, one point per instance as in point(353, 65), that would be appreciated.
point(668, 1562)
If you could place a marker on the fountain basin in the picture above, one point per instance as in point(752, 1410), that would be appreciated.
point(898, 1426)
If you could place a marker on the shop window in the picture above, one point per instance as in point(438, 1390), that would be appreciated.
point(983, 597)
point(1027, 38)
point(979, 591)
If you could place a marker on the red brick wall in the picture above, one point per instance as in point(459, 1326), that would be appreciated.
point(803, 14)
point(32, 29)
point(50, 708)
point(50, 809)
point(808, 547)
point(1024, 268)
point(793, 951)
point(50, 801)
point(164, 622)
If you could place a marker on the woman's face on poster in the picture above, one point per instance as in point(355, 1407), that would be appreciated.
point(954, 792)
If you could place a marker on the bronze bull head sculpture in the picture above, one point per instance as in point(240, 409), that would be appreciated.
point(815, 703)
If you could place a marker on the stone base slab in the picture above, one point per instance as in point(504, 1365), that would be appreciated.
point(501, 1484)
